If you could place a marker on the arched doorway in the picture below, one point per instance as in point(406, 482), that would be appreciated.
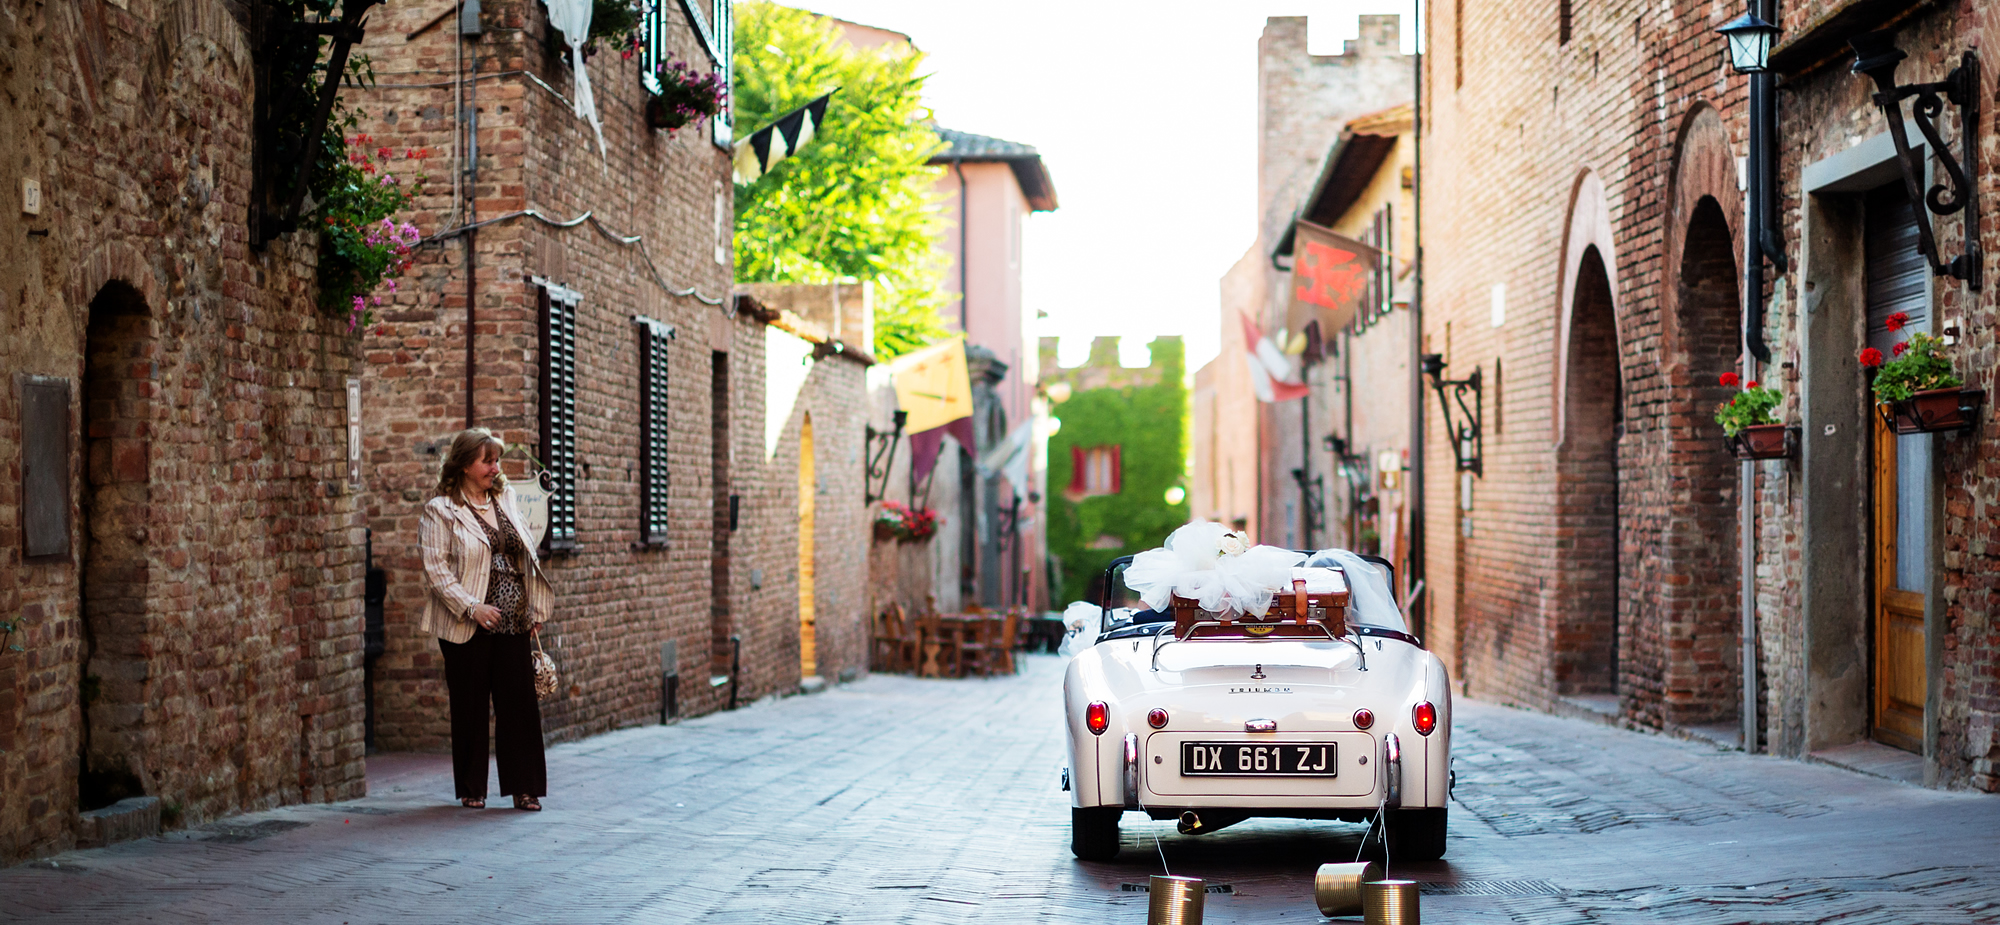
point(808, 487)
point(1587, 510)
point(1700, 629)
point(114, 669)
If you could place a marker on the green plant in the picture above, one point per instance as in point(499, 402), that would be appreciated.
point(1747, 408)
point(1919, 366)
point(8, 627)
point(858, 202)
point(686, 95)
point(617, 21)
point(362, 246)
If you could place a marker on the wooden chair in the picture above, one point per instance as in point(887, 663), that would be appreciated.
point(978, 651)
point(929, 631)
point(892, 640)
point(1010, 640)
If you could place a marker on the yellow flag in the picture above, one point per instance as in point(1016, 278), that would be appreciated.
point(933, 386)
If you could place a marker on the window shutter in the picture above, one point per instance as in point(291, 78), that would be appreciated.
point(653, 435)
point(1078, 469)
point(45, 464)
point(1117, 470)
point(558, 408)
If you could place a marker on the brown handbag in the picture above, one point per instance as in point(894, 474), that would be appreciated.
point(546, 679)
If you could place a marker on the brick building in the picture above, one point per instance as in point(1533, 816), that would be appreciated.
point(1584, 247)
point(1304, 101)
point(598, 333)
point(179, 539)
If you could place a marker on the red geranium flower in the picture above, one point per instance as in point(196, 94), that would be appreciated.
point(1870, 357)
point(1751, 385)
point(1730, 379)
point(1899, 348)
point(1896, 321)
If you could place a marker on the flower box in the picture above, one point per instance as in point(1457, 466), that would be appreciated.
point(1764, 441)
point(1934, 411)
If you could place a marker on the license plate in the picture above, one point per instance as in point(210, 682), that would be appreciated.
point(1258, 759)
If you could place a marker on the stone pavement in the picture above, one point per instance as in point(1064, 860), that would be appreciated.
point(903, 800)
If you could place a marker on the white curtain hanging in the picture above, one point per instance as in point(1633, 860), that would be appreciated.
point(573, 18)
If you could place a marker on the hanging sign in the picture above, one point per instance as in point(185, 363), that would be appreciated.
point(1330, 275)
point(531, 496)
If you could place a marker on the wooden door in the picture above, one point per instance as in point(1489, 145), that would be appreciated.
point(1898, 281)
point(1899, 612)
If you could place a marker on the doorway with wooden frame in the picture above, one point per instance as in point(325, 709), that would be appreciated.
point(808, 488)
point(1898, 283)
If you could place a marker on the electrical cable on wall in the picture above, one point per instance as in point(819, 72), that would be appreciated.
point(636, 241)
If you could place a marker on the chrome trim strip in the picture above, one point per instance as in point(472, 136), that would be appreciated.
point(1392, 767)
point(1131, 770)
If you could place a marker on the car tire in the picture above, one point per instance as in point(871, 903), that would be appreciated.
point(1093, 832)
point(1416, 834)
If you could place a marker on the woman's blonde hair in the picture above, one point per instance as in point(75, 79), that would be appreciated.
point(470, 445)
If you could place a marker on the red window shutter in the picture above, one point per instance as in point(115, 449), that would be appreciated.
point(1076, 470)
point(1117, 470)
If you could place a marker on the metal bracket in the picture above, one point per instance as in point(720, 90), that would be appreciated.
point(1468, 441)
point(1312, 494)
point(881, 454)
point(1876, 56)
point(284, 155)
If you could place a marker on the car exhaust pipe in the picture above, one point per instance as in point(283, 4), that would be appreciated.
point(1192, 823)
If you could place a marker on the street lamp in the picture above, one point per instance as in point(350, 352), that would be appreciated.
point(1749, 43)
point(1876, 57)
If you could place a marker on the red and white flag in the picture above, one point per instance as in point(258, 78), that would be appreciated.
point(1271, 374)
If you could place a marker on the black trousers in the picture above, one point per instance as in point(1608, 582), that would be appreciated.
point(494, 667)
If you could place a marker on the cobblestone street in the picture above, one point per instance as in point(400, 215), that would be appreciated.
point(904, 800)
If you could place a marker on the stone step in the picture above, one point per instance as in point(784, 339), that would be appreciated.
point(125, 820)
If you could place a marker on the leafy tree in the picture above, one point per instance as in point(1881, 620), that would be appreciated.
point(858, 202)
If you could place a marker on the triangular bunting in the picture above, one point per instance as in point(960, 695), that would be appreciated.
point(757, 154)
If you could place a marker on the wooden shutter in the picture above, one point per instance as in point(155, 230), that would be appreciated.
point(653, 436)
point(45, 465)
point(1078, 466)
point(558, 407)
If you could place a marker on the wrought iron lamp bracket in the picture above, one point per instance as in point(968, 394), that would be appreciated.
point(1876, 57)
point(881, 453)
point(284, 156)
point(1312, 494)
point(1468, 441)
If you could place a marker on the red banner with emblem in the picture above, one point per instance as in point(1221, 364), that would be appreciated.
point(1330, 279)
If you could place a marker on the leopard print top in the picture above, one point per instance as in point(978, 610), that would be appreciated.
point(505, 590)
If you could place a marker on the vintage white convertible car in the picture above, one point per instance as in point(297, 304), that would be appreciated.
point(1326, 707)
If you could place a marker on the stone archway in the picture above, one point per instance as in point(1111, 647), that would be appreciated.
point(114, 666)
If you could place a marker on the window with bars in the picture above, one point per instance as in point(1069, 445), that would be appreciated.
point(713, 21)
point(654, 338)
point(558, 407)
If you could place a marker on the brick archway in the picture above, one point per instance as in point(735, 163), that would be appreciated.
point(1685, 633)
point(1588, 474)
point(119, 361)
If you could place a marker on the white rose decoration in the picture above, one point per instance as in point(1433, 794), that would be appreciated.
point(1232, 544)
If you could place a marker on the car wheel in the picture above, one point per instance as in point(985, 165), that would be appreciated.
point(1093, 832)
point(1416, 834)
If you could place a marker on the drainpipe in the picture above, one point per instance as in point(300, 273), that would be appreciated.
point(1415, 486)
point(472, 234)
point(964, 219)
point(1757, 202)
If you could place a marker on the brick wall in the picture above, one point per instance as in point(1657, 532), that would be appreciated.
point(617, 601)
point(209, 604)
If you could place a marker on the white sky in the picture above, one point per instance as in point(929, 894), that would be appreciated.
point(1144, 112)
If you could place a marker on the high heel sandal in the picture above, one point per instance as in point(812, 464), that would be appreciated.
point(472, 802)
point(525, 802)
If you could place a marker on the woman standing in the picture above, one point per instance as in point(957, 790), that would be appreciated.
point(488, 598)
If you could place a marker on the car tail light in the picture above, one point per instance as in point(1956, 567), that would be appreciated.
point(1156, 718)
point(1364, 718)
point(1097, 717)
point(1426, 717)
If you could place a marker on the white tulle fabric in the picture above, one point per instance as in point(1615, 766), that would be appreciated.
point(573, 18)
point(1371, 602)
point(1081, 620)
point(1192, 565)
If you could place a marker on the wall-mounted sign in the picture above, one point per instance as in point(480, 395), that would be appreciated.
point(533, 494)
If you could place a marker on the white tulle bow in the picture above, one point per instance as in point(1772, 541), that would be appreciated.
point(1194, 565)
